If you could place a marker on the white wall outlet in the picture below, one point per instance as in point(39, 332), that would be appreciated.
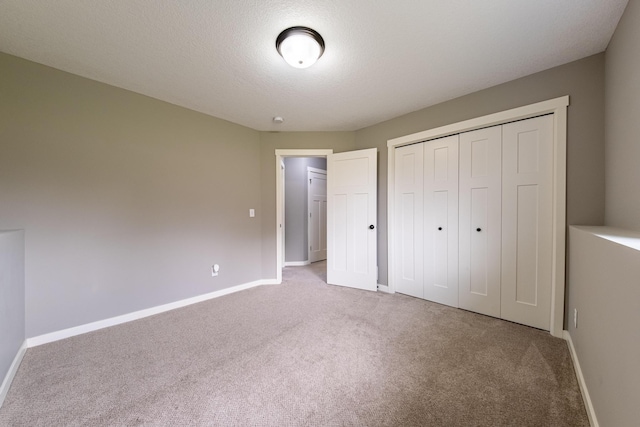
point(252, 213)
point(215, 268)
point(575, 317)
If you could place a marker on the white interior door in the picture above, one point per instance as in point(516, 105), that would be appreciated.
point(527, 221)
point(480, 220)
point(441, 220)
point(281, 261)
point(351, 219)
point(317, 193)
point(409, 205)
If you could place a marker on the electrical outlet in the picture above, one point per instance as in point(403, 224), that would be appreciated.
point(575, 318)
point(215, 268)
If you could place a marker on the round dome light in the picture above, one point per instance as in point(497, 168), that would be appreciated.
point(300, 46)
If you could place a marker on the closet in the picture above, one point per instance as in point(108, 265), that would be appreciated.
point(473, 220)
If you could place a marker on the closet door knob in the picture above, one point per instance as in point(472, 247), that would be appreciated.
point(478, 229)
point(439, 228)
point(371, 227)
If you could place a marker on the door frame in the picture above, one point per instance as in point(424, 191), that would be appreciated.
point(311, 170)
point(280, 155)
point(557, 106)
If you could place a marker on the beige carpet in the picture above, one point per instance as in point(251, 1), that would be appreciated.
point(302, 353)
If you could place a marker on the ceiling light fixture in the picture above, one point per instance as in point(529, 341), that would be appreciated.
point(300, 46)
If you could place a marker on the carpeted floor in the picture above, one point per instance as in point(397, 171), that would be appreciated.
point(301, 354)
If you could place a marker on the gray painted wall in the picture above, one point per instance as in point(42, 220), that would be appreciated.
point(604, 279)
point(623, 122)
point(12, 312)
point(582, 80)
point(126, 201)
point(607, 339)
point(296, 205)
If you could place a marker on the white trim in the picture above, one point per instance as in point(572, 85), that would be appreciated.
point(316, 170)
point(280, 154)
point(113, 321)
point(13, 369)
point(591, 413)
point(558, 107)
point(296, 263)
point(386, 289)
point(499, 118)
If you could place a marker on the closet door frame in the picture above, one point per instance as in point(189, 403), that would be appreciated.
point(557, 107)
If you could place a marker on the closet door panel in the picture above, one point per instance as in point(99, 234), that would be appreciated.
point(480, 220)
point(527, 221)
point(441, 220)
point(409, 242)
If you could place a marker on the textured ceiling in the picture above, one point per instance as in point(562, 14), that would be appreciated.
point(382, 58)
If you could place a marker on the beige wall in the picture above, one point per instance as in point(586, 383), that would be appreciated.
point(126, 201)
point(623, 122)
point(269, 142)
point(582, 80)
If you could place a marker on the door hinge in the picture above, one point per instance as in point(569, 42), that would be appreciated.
point(309, 181)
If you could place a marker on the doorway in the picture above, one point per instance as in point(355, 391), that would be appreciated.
point(305, 204)
point(281, 158)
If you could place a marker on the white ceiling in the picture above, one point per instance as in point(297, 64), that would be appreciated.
point(382, 58)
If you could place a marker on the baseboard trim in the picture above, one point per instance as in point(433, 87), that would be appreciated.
point(13, 369)
point(591, 413)
point(296, 263)
point(113, 321)
point(384, 288)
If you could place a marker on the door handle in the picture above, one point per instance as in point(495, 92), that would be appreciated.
point(439, 228)
point(371, 227)
point(478, 229)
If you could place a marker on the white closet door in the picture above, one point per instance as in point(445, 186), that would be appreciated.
point(408, 204)
point(441, 220)
point(480, 220)
point(527, 221)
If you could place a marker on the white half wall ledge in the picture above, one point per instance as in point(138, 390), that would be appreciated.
point(13, 369)
point(588, 404)
point(141, 314)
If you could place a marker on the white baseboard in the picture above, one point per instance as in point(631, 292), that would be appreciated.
point(100, 324)
point(296, 263)
point(271, 282)
point(386, 289)
point(6, 383)
point(591, 413)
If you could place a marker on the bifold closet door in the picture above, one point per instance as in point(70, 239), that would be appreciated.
point(408, 227)
point(480, 220)
point(441, 220)
point(527, 191)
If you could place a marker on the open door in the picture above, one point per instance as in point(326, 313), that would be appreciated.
point(351, 219)
point(317, 205)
